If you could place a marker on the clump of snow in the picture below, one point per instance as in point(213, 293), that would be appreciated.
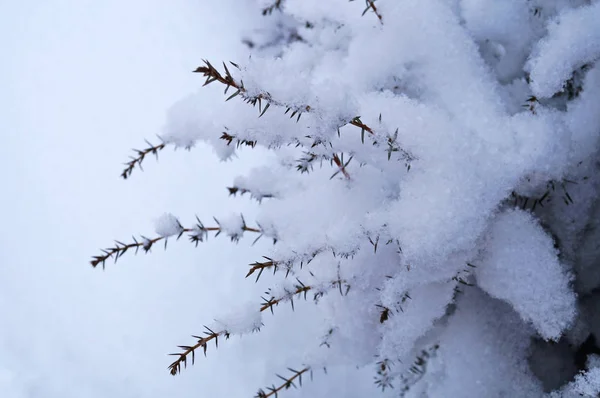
point(586, 384)
point(583, 118)
point(233, 226)
point(168, 225)
point(573, 40)
point(483, 352)
point(240, 320)
point(520, 265)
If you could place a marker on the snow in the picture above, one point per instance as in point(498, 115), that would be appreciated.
point(429, 179)
point(519, 264)
point(456, 97)
point(232, 226)
point(241, 320)
point(168, 225)
point(573, 40)
point(495, 364)
point(585, 384)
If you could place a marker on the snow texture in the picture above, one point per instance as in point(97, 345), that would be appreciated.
point(432, 183)
point(573, 40)
point(168, 225)
point(520, 265)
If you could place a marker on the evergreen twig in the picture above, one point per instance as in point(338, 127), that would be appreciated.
point(288, 382)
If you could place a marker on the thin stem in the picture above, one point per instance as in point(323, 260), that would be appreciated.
point(287, 383)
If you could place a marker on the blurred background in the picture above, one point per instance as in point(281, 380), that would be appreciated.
point(81, 83)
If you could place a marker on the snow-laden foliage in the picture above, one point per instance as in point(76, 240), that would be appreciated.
point(433, 190)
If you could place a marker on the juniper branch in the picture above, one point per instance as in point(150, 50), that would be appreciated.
point(213, 75)
point(139, 158)
point(188, 351)
point(230, 138)
point(300, 289)
point(227, 79)
point(196, 234)
point(275, 6)
point(261, 266)
point(339, 162)
point(287, 383)
point(371, 5)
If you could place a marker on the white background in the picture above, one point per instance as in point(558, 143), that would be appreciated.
point(81, 83)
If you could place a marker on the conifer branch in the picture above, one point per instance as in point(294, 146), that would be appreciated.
point(213, 75)
point(233, 191)
point(190, 351)
point(371, 5)
point(300, 289)
point(275, 6)
point(339, 162)
point(261, 266)
point(196, 234)
point(238, 142)
point(139, 158)
point(288, 382)
point(462, 278)
point(408, 377)
point(553, 188)
point(417, 369)
point(276, 265)
point(384, 376)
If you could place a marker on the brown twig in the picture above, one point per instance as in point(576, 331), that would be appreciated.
point(268, 304)
point(341, 165)
point(175, 367)
point(371, 5)
point(139, 158)
point(196, 234)
point(300, 289)
point(287, 383)
point(230, 138)
point(275, 6)
point(261, 266)
point(213, 75)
